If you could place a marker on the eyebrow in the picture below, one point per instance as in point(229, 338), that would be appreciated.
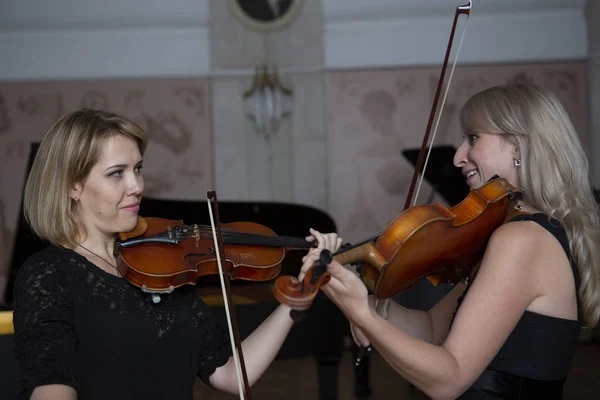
point(123, 165)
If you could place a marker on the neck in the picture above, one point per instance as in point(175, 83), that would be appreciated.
point(102, 257)
point(102, 245)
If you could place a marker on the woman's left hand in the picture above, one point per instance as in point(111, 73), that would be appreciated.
point(345, 288)
point(329, 241)
point(347, 291)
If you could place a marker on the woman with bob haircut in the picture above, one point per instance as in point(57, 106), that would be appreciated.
point(82, 331)
point(511, 332)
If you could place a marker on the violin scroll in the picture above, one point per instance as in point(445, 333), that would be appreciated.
point(299, 295)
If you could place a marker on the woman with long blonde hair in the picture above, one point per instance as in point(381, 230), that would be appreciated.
point(512, 331)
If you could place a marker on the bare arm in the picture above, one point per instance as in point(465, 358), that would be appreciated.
point(259, 349)
point(431, 326)
point(54, 392)
point(441, 314)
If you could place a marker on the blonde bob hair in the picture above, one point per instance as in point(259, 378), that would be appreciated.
point(554, 173)
point(65, 157)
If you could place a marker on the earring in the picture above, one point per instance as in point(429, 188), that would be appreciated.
point(517, 162)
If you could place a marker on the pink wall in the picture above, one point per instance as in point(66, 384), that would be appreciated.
point(175, 114)
point(376, 114)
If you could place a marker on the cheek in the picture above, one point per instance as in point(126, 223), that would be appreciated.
point(478, 155)
point(486, 155)
point(105, 202)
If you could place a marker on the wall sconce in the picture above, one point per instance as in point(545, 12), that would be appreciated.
point(267, 102)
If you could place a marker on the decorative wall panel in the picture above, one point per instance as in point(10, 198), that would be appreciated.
point(174, 113)
point(375, 114)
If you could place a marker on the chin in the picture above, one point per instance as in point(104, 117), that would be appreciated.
point(474, 185)
point(129, 223)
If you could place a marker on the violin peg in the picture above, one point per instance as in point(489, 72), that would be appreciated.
point(325, 257)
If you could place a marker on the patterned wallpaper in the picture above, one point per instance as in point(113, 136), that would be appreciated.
point(175, 114)
point(373, 116)
point(376, 114)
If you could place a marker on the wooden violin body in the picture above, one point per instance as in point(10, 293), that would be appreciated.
point(161, 255)
point(425, 241)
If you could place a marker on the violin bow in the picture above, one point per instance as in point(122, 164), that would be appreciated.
point(466, 10)
point(412, 195)
point(234, 334)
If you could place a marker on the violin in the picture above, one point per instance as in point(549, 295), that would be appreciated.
point(160, 255)
point(425, 241)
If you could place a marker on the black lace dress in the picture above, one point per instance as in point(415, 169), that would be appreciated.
point(79, 326)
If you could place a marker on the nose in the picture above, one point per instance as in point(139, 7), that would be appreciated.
point(460, 157)
point(136, 184)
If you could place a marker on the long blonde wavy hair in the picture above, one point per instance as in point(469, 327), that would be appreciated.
point(554, 172)
point(65, 157)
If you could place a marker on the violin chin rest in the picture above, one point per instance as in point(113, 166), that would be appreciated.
point(140, 229)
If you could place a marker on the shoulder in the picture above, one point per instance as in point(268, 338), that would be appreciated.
point(520, 246)
point(525, 236)
point(516, 230)
point(50, 258)
point(46, 268)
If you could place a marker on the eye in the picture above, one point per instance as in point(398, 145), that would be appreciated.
point(138, 169)
point(472, 138)
point(118, 173)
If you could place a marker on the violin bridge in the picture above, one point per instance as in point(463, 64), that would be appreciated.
point(197, 235)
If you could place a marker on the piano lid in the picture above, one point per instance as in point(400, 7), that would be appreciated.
point(441, 173)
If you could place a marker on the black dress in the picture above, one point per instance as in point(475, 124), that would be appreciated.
point(80, 326)
point(534, 361)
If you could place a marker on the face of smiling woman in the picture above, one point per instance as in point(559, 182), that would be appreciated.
point(483, 155)
point(108, 199)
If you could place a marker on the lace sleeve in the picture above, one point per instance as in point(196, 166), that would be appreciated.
point(45, 341)
point(215, 344)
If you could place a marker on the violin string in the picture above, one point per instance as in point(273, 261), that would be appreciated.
point(437, 122)
point(242, 238)
point(290, 239)
point(256, 239)
point(206, 228)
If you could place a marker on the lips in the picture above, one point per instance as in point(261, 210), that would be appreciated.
point(132, 207)
point(470, 176)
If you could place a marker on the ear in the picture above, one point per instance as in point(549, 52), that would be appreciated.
point(512, 142)
point(516, 152)
point(76, 191)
